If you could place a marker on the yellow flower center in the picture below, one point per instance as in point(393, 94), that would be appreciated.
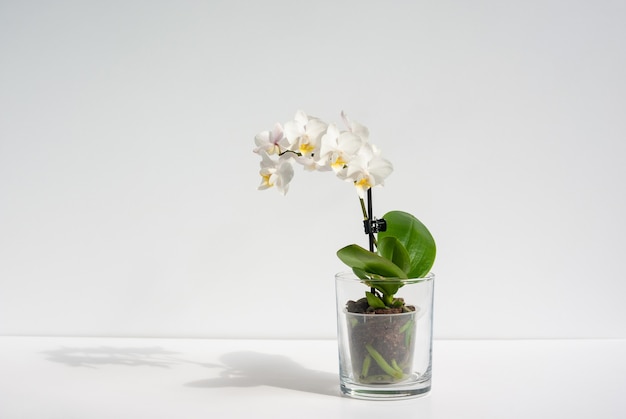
point(363, 183)
point(274, 150)
point(266, 180)
point(338, 163)
point(306, 148)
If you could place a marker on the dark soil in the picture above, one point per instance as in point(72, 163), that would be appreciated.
point(383, 333)
point(361, 306)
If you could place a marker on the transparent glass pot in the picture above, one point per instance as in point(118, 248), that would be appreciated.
point(385, 356)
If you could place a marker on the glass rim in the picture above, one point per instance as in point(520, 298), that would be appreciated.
point(351, 277)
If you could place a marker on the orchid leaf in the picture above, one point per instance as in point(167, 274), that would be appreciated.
point(391, 248)
point(374, 301)
point(360, 273)
point(388, 287)
point(385, 285)
point(363, 260)
point(415, 237)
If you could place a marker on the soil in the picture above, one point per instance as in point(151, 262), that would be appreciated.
point(388, 335)
point(361, 306)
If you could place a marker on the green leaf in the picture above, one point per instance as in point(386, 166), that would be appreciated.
point(388, 287)
point(360, 273)
point(374, 301)
point(397, 303)
point(416, 239)
point(385, 285)
point(392, 249)
point(363, 260)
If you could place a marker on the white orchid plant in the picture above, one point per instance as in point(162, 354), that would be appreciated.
point(400, 246)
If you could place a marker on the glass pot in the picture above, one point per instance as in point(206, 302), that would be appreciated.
point(385, 356)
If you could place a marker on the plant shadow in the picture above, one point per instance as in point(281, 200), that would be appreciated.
point(252, 369)
point(236, 369)
point(94, 357)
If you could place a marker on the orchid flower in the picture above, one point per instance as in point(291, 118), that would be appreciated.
point(318, 146)
point(368, 169)
point(338, 148)
point(311, 164)
point(271, 142)
point(275, 173)
point(304, 134)
point(355, 127)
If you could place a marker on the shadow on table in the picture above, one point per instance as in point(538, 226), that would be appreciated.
point(251, 369)
point(93, 357)
point(237, 369)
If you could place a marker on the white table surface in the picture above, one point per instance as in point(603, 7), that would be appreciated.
point(46, 377)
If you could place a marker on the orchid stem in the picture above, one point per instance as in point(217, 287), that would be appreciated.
point(365, 217)
point(290, 151)
point(370, 211)
point(368, 217)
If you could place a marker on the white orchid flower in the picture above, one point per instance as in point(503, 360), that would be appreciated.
point(338, 148)
point(304, 134)
point(356, 128)
point(316, 145)
point(368, 169)
point(271, 142)
point(311, 164)
point(276, 173)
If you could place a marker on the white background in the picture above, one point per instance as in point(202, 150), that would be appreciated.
point(128, 201)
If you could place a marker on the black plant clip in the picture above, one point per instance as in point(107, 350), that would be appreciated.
point(374, 226)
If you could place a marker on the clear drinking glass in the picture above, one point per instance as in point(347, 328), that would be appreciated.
point(385, 356)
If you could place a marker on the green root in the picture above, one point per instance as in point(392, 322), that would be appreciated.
point(406, 326)
point(407, 329)
point(383, 364)
point(366, 366)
